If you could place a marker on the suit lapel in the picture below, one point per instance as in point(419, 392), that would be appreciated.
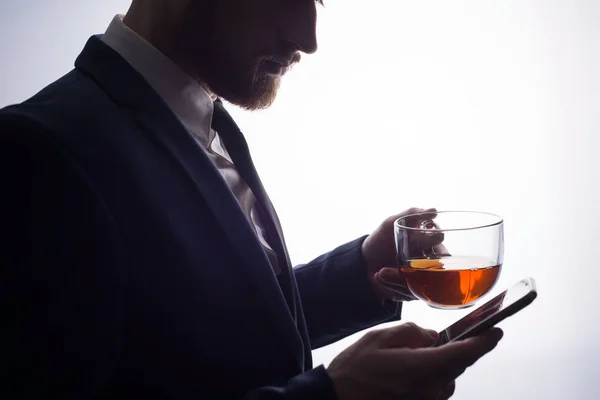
point(129, 90)
point(238, 149)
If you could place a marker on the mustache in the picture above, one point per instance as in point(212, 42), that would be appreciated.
point(284, 60)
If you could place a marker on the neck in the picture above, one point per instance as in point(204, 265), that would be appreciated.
point(158, 26)
point(147, 22)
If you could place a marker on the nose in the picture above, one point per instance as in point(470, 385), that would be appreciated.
point(300, 26)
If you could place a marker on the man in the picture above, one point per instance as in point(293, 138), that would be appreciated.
point(141, 255)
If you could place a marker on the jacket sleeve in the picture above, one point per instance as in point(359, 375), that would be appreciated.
point(64, 277)
point(337, 297)
point(314, 384)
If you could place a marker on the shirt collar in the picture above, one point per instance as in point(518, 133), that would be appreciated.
point(186, 98)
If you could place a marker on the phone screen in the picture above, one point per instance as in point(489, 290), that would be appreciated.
point(497, 305)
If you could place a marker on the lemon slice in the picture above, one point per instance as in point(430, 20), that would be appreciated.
point(426, 264)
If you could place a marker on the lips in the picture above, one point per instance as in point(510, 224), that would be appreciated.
point(273, 67)
point(279, 65)
point(284, 62)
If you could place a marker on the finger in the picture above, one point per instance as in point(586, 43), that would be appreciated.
point(395, 295)
point(391, 277)
point(426, 239)
point(451, 360)
point(408, 335)
point(441, 251)
point(394, 291)
point(413, 216)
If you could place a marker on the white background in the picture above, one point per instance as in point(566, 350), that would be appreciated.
point(483, 104)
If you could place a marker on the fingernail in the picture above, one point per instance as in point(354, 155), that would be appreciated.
point(433, 334)
point(496, 334)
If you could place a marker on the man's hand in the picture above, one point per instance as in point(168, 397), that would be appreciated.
point(397, 363)
point(379, 253)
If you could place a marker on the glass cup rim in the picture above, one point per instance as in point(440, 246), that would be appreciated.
point(499, 221)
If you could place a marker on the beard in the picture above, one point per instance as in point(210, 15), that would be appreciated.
point(250, 85)
point(221, 63)
point(242, 84)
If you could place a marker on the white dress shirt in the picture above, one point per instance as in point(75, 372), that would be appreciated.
point(192, 105)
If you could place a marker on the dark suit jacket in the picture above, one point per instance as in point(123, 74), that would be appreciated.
point(129, 269)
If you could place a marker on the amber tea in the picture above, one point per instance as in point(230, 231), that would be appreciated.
point(451, 282)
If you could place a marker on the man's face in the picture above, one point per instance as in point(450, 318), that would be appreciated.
point(240, 49)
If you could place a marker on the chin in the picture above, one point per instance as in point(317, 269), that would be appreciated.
point(259, 95)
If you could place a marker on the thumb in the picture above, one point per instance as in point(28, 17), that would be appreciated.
point(408, 335)
point(453, 358)
point(391, 276)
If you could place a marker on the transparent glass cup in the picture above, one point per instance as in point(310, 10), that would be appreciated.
point(450, 259)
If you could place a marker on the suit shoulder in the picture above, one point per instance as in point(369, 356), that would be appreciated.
point(41, 125)
point(72, 103)
point(26, 145)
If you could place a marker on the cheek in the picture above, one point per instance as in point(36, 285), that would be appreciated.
point(255, 33)
point(232, 40)
point(241, 50)
point(248, 33)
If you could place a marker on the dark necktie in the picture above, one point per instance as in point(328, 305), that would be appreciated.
point(236, 146)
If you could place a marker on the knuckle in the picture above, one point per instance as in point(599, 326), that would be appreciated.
point(391, 219)
point(411, 326)
point(373, 335)
point(430, 394)
point(460, 370)
point(451, 389)
point(447, 392)
point(412, 210)
point(405, 213)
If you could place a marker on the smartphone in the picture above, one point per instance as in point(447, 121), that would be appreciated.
point(500, 307)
